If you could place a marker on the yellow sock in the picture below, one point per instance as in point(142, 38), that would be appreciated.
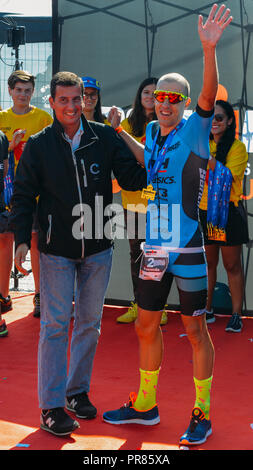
point(146, 397)
point(203, 388)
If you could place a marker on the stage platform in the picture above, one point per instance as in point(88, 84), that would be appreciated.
point(115, 374)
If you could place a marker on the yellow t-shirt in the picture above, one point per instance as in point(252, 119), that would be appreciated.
point(236, 161)
point(133, 197)
point(33, 122)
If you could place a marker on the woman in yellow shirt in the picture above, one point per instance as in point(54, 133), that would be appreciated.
point(231, 153)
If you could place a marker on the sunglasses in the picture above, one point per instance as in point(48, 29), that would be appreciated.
point(219, 117)
point(92, 96)
point(173, 96)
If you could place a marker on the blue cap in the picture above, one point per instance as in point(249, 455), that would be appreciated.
point(90, 82)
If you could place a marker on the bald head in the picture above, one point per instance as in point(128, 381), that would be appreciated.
point(183, 84)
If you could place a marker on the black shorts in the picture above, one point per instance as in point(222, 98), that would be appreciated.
point(236, 229)
point(152, 295)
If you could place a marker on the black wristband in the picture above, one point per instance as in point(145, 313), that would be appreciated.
point(203, 113)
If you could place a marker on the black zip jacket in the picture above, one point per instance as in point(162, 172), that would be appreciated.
point(68, 182)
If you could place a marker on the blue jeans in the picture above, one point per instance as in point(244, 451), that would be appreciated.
point(57, 282)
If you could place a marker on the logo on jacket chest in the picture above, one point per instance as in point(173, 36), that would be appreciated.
point(94, 168)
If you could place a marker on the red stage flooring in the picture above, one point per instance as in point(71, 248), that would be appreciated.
point(116, 374)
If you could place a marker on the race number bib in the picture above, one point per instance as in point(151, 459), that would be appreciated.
point(153, 264)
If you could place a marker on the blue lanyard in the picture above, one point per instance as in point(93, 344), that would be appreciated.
point(160, 158)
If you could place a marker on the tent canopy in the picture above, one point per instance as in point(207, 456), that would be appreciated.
point(38, 29)
point(123, 42)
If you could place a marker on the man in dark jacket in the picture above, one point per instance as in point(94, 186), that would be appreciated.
point(69, 166)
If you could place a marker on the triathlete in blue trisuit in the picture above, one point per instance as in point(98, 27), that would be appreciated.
point(176, 156)
point(172, 219)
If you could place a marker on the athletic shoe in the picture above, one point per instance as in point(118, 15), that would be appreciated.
point(130, 315)
point(81, 406)
point(164, 318)
point(234, 324)
point(36, 303)
point(127, 414)
point(198, 430)
point(6, 303)
point(58, 422)
point(3, 329)
point(210, 318)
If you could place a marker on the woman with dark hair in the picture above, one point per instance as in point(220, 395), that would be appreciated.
point(143, 110)
point(135, 124)
point(221, 212)
point(92, 109)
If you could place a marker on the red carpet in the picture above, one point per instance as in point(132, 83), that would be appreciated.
point(116, 374)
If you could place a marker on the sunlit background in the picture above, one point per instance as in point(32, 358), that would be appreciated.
point(35, 57)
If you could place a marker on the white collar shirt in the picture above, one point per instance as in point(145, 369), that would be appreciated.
point(75, 142)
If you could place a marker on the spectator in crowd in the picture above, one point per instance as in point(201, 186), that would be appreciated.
point(92, 108)
point(69, 165)
point(228, 162)
point(4, 144)
point(18, 123)
point(177, 152)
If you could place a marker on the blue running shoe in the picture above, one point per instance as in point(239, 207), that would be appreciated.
point(198, 430)
point(127, 414)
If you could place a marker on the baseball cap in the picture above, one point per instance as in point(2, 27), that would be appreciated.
point(91, 82)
